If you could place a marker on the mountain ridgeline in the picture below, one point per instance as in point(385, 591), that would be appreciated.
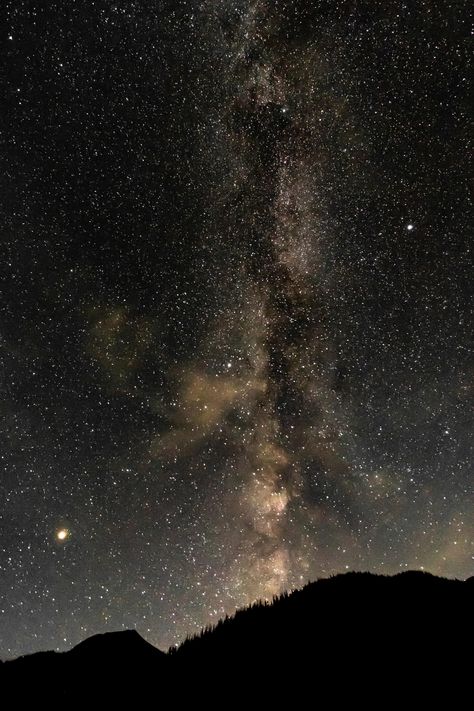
point(347, 637)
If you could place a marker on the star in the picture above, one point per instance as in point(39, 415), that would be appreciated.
point(62, 534)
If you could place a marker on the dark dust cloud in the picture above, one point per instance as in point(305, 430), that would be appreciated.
point(236, 306)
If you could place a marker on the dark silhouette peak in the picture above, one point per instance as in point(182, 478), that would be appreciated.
point(117, 643)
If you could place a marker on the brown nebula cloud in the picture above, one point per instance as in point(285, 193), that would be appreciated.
point(278, 381)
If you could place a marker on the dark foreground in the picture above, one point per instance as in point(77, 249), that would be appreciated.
point(355, 637)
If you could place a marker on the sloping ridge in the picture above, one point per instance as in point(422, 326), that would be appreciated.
point(351, 614)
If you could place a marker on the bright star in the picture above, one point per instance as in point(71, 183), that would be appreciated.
point(410, 227)
point(62, 534)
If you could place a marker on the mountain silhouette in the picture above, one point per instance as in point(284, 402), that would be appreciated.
point(116, 646)
point(348, 637)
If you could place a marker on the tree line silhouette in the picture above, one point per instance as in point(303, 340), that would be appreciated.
point(347, 636)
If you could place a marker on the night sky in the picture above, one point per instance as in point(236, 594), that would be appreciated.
point(236, 308)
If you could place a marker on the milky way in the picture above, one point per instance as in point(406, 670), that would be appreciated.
point(236, 315)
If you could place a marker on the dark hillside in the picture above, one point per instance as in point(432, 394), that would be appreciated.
point(350, 633)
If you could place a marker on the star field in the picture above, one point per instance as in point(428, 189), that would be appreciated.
point(236, 307)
